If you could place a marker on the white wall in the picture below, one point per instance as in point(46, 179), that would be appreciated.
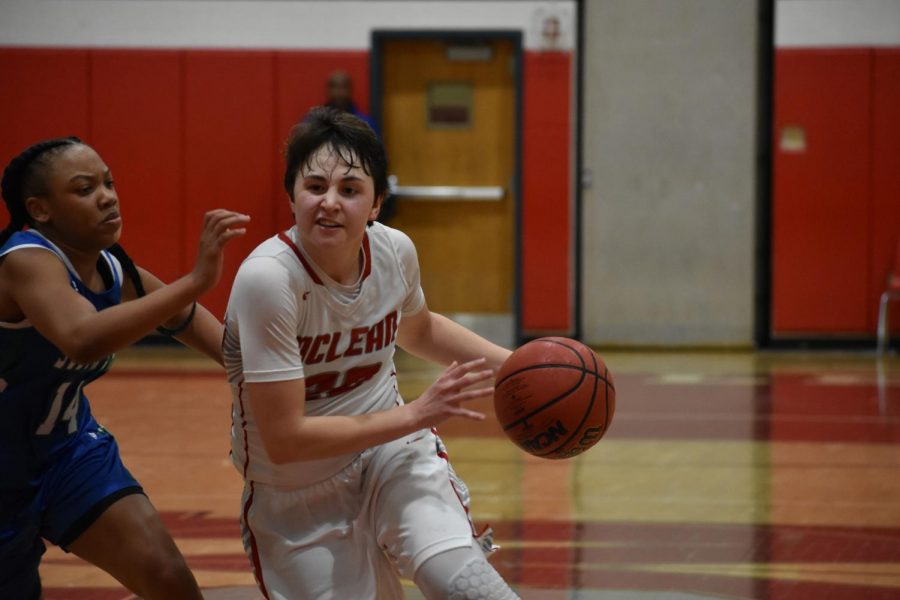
point(259, 23)
point(820, 23)
point(668, 229)
point(670, 128)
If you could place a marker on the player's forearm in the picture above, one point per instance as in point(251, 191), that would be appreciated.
point(204, 333)
point(317, 437)
point(443, 341)
point(102, 333)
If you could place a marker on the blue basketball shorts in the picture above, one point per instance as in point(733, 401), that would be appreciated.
point(71, 494)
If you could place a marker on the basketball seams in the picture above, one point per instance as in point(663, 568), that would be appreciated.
point(557, 366)
point(548, 341)
point(558, 398)
point(564, 405)
point(563, 365)
point(549, 403)
point(606, 404)
point(583, 370)
point(585, 416)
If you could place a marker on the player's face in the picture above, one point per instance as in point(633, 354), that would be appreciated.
point(333, 201)
point(81, 207)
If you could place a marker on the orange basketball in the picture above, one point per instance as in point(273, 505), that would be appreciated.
point(554, 397)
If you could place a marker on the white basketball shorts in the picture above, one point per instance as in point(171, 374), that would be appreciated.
point(389, 511)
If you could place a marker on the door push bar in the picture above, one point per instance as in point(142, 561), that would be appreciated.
point(448, 192)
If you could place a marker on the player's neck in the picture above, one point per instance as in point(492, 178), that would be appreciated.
point(342, 266)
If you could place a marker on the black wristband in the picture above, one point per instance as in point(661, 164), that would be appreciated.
point(181, 326)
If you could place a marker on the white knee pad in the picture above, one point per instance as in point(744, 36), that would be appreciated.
point(478, 580)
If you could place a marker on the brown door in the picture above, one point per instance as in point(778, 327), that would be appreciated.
point(448, 118)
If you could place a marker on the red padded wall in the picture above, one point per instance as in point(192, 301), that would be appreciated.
point(229, 109)
point(820, 200)
point(185, 131)
point(136, 127)
point(45, 94)
point(546, 301)
point(885, 176)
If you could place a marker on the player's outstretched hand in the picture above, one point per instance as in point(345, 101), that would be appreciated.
point(444, 397)
point(219, 227)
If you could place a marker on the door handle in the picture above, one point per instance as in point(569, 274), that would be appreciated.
point(448, 192)
point(445, 192)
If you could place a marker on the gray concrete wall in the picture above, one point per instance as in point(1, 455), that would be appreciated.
point(670, 128)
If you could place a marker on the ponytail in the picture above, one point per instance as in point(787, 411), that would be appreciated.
point(128, 268)
point(13, 226)
point(135, 277)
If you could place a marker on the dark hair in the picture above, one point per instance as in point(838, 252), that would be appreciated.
point(24, 176)
point(351, 138)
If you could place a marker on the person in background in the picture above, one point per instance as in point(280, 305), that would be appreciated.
point(339, 94)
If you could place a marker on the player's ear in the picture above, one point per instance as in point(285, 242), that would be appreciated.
point(376, 207)
point(37, 209)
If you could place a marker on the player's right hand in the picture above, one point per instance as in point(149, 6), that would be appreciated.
point(444, 397)
point(219, 227)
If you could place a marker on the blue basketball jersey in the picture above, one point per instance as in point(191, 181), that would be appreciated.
point(43, 408)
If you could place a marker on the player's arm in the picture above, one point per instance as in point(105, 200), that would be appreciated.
point(203, 332)
point(267, 311)
point(44, 294)
point(434, 337)
point(430, 335)
point(289, 435)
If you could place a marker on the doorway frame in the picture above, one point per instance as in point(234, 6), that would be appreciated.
point(376, 78)
point(763, 336)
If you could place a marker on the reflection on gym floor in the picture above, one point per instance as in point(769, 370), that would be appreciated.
point(724, 475)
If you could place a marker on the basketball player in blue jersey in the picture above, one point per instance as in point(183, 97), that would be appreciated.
point(69, 298)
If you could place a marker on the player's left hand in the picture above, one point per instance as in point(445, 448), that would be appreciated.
point(219, 227)
point(444, 397)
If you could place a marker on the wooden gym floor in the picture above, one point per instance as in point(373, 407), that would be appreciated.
point(724, 475)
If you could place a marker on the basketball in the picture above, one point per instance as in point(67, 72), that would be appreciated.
point(554, 397)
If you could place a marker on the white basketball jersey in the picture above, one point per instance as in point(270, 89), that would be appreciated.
point(286, 319)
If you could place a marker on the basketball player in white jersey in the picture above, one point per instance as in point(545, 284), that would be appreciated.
point(345, 484)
